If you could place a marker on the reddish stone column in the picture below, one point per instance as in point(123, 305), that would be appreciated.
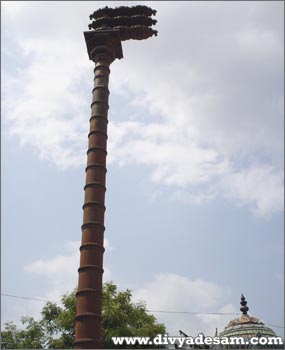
point(103, 48)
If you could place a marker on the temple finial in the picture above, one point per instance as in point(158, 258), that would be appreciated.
point(244, 309)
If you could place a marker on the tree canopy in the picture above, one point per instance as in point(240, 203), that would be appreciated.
point(55, 329)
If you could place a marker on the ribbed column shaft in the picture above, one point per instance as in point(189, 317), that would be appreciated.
point(89, 293)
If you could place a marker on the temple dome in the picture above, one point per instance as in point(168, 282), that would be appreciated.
point(246, 326)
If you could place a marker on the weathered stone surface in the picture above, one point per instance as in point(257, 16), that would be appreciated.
point(111, 26)
point(131, 22)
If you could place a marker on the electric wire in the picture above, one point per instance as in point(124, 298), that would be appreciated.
point(154, 311)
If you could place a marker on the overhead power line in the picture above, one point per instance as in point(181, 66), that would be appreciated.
point(29, 298)
point(158, 311)
point(194, 313)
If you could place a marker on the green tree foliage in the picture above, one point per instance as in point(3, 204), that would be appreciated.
point(29, 338)
point(55, 329)
point(121, 317)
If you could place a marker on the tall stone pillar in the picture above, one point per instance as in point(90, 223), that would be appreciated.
point(111, 26)
point(103, 48)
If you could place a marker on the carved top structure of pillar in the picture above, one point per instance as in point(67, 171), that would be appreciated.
point(103, 42)
point(113, 25)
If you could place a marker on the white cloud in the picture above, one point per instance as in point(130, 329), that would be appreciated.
point(171, 292)
point(197, 173)
point(258, 187)
point(219, 321)
point(258, 42)
point(13, 8)
point(60, 271)
point(213, 81)
point(14, 309)
point(60, 274)
point(41, 115)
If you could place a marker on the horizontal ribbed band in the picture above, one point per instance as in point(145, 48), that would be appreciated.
point(96, 165)
point(100, 87)
point(94, 184)
point(93, 132)
point(96, 148)
point(100, 75)
point(86, 340)
point(87, 291)
point(91, 245)
point(99, 101)
point(93, 203)
point(89, 315)
point(98, 116)
point(100, 65)
point(90, 267)
point(92, 224)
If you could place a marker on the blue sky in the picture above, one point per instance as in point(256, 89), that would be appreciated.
point(195, 159)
